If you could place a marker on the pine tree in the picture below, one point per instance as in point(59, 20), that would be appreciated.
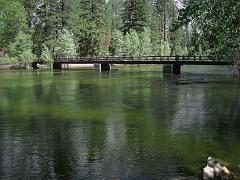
point(65, 45)
point(155, 26)
point(21, 48)
point(117, 43)
point(165, 48)
point(179, 42)
point(145, 42)
point(13, 19)
point(114, 13)
point(87, 20)
point(48, 18)
point(135, 15)
point(135, 44)
point(46, 55)
point(166, 11)
point(127, 45)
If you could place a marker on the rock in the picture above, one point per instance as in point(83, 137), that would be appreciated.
point(208, 173)
point(226, 171)
point(214, 170)
point(217, 171)
point(211, 162)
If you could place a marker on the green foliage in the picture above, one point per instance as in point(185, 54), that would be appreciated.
point(21, 43)
point(145, 42)
point(21, 48)
point(48, 18)
point(145, 24)
point(127, 45)
point(26, 57)
point(135, 15)
point(46, 55)
point(179, 42)
point(87, 21)
point(165, 49)
point(117, 43)
point(13, 18)
point(216, 28)
point(8, 60)
point(155, 36)
point(134, 44)
point(114, 13)
point(65, 44)
point(164, 13)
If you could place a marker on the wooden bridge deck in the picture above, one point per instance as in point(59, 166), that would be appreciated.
point(182, 60)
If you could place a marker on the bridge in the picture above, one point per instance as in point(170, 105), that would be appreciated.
point(173, 63)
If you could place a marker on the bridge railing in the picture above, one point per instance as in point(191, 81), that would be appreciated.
point(140, 58)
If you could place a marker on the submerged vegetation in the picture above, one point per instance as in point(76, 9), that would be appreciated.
point(136, 117)
point(30, 28)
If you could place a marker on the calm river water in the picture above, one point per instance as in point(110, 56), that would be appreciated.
point(130, 123)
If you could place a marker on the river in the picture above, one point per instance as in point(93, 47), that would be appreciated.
point(130, 123)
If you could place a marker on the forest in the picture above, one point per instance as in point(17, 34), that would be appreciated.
point(42, 29)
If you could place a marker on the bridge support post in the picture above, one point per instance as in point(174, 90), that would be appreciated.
point(105, 67)
point(57, 65)
point(176, 68)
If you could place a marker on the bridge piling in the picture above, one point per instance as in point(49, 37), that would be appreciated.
point(176, 68)
point(172, 68)
point(105, 67)
point(57, 65)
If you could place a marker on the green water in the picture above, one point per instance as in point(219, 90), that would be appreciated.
point(130, 123)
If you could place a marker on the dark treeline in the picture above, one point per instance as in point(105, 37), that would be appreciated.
point(32, 29)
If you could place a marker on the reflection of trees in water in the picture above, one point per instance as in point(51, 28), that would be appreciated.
point(223, 121)
point(34, 150)
point(163, 99)
point(54, 150)
point(130, 137)
point(144, 110)
point(38, 88)
point(189, 109)
point(89, 94)
point(224, 115)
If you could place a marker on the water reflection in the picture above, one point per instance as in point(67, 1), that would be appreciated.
point(127, 124)
point(190, 109)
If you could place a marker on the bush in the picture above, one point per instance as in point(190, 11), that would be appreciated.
point(46, 55)
point(8, 60)
point(27, 57)
point(165, 49)
point(21, 49)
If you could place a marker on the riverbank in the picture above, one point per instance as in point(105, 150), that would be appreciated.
point(5, 66)
point(70, 66)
